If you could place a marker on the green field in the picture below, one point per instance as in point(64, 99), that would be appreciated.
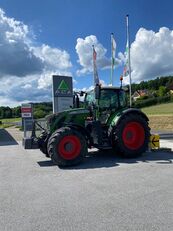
point(160, 117)
point(9, 122)
point(161, 109)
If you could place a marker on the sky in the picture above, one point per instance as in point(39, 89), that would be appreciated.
point(39, 39)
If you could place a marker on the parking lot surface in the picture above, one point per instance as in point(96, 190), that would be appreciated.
point(105, 192)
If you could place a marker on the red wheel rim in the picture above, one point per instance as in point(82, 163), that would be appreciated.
point(133, 135)
point(69, 147)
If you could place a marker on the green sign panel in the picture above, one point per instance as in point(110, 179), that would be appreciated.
point(62, 86)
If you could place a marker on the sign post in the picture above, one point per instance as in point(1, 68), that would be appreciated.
point(27, 117)
point(62, 93)
point(26, 110)
point(27, 120)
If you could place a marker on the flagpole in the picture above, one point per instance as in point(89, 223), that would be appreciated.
point(129, 63)
point(112, 68)
point(96, 77)
point(93, 66)
point(96, 82)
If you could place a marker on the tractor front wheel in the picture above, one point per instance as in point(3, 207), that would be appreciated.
point(131, 136)
point(67, 147)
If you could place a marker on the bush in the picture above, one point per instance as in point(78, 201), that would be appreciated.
point(153, 101)
point(143, 97)
point(39, 114)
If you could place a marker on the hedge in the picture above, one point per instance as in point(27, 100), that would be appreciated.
point(153, 101)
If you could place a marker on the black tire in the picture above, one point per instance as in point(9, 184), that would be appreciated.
point(67, 147)
point(131, 136)
point(42, 143)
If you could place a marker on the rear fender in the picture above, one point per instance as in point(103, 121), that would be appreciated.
point(118, 117)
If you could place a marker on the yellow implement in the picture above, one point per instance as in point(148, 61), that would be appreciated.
point(154, 142)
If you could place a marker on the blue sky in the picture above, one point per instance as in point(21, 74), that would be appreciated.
point(56, 36)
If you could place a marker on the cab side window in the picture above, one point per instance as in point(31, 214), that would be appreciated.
point(114, 101)
point(90, 98)
point(122, 99)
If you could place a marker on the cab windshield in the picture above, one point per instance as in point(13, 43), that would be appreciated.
point(112, 99)
point(109, 99)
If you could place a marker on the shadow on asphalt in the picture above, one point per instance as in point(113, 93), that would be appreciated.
point(6, 139)
point(46, 163)
point(107, 159)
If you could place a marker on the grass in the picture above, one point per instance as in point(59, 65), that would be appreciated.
point(160, 117)
point(161, 109)
point(11, 120)
point(6, 122)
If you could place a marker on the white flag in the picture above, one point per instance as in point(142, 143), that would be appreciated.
point(96, 78)
point(113, 49)
point(126, 65)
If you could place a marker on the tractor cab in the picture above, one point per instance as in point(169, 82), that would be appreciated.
point(108, 101)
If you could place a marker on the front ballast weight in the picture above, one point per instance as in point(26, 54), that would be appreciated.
point(31, 141)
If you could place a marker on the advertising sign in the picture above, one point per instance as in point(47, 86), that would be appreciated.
point(64, 103)
point(26, 110)
point(62, 86)
point(62, 93)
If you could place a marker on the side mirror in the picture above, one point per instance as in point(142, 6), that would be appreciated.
point(82, 93)
point(97, 91)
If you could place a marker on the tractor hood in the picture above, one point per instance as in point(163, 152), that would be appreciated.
point(72, 116)
point(67, 112)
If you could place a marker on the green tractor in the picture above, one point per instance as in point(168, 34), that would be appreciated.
point(104, 122)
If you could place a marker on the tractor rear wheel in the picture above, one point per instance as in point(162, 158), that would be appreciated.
point(67, 147)
point(131, 136)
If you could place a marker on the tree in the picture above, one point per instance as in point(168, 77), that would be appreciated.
point(16, 112)
point(162, 91)
point(39, 114)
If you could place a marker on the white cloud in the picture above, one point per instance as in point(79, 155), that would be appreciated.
point(45, 79)
point(84, 89)
point(27, 86)
point(26, 68)
point(85, 52)
point(152, 54)
point(19, 57)
point(74, 81)
point(102, 82)
point(15, 91)
point(53, 58)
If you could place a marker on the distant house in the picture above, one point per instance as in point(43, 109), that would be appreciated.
point(136, 95)
point(139, 93)
point(171, 89)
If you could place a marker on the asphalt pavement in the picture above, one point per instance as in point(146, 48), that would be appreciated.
point(105, 192)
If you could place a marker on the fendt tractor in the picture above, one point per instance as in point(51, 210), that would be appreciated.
point(105, 122)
